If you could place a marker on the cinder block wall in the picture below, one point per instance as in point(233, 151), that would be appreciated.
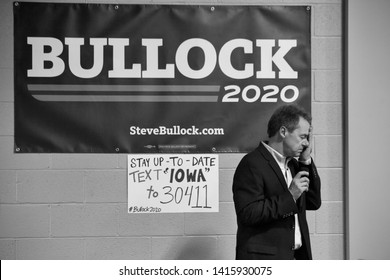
point(73, 206)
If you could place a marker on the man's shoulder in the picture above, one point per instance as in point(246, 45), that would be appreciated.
point(256, 155)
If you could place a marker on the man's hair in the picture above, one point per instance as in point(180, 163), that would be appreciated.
point(287, 116)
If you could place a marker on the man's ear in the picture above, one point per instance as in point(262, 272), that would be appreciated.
point(283, 131)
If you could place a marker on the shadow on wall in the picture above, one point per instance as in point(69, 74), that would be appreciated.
point(192, 249)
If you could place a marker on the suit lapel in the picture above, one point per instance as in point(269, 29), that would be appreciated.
point(272, 162)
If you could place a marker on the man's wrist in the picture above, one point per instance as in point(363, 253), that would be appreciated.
point(305, 161)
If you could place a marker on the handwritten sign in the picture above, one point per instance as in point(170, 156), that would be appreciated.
point(173, 183)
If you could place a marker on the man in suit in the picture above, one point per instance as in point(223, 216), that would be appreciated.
point(273, 186)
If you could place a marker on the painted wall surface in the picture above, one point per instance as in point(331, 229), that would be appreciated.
point(73, 206)
point(368, 133)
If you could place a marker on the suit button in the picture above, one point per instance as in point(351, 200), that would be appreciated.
point(292, 247)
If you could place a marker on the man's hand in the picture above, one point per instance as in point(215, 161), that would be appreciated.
point(299, 184)
point(306, 153)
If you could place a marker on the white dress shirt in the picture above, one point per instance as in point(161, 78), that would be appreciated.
point(283, 164)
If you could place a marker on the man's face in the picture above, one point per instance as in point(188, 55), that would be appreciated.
point(296, 141)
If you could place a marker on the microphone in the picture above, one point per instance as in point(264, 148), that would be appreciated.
point(303, 168)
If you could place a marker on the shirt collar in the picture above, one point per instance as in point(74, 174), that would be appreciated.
point(280, 159)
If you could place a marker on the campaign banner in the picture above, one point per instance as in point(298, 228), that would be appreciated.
point(106, 78)
point(171, 183)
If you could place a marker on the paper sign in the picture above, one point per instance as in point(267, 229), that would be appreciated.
point(173, 183)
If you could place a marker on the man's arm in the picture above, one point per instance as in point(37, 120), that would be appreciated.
point(306, 163)
point(313, 195)
point(253, 206)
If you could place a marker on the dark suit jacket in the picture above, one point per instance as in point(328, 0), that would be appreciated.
point(265, 208)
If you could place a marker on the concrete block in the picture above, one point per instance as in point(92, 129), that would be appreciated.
point(330, 218)
point(327, 247)
point(328, 86)
point(106, 186)
point(10, 160)
point(230, 161)
point(7, 249)
point(43, 186)
point(122, 161)
point(311, 220)
point(24, 221)
point(84, 161)
point(6, 18)
point(326, 53)
point(135, 224)
point(184, 248)
point(327, 20)
point(6, 34)
point(223, 222)
point(118, 249)
point(7, 84)
point(225, 185)
point(6, 118)
point(50, 249)
point(7, 186)
point(332, 187)
point(84, 220)
point(226, 247)
point(328, 151)
point(327, 118)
